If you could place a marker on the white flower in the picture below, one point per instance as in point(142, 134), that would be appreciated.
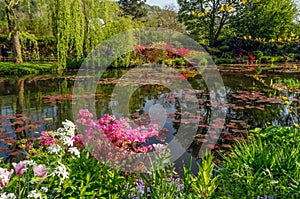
point(54, 149)
point(61, 172)
point(159, 149)
point(67, 141)
point(34, 194)
point(44, 189)
point(30, 163)
point(56, 133)
point(75, 151)
point(8, 196)
point(69, 127)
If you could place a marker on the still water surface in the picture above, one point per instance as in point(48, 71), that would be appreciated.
point(31, 105)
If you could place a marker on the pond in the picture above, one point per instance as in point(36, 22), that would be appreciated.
point(30, 105)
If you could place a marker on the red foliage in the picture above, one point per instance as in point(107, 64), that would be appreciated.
point(183, 51)
point(251, 57)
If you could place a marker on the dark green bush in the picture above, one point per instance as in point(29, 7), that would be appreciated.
point(258, 54)
point(74, 63)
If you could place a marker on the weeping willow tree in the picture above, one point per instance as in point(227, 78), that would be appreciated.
point(10, 7)
point(22, 17)
point(83, 24)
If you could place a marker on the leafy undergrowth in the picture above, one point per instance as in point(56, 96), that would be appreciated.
point(265, 167)
point(65, 164)
point(9, 68)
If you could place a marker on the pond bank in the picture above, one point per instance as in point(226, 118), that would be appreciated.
point(9, 68)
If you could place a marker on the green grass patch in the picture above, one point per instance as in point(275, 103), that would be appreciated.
point(9, 68)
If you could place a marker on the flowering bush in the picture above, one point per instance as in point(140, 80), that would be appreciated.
point(115, 142)
point(58, 165)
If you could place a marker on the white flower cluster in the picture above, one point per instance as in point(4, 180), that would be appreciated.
point(8, 196)
point(30, 163)
point(44, 189)
point(61, 172)
point(54, 148)
point(34, 194)
point(69, 128)
point(74, 151)
point(65, 135)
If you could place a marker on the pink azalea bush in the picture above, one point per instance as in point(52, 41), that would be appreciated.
point(122, 135)
point(115, 141)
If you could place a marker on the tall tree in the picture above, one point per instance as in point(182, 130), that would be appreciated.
point(10, 7)
point(264, 18)
point(81, 25)
point(135, 8)
point(206, 19)
point(164, 18)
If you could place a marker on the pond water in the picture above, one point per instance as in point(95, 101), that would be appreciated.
point(31, 105)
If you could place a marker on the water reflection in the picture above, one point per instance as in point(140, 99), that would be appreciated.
point(30, 105)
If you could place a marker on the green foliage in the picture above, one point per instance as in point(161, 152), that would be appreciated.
point(224, 48)
point(264, 18)
point(223, 60)
point(8, 68)
point(291, 84)
point(266, 165)
point(272, 59)
point(258, 54)
point(135, 8)
point(159, 181)
point(204, 184)
point(206, 19)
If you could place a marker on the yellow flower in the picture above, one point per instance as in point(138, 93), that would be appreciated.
point(222, 9)
point(228, 7)
point(245, 37)
point(292, 34)
point(193, 12)
point(272, 40)
point(244, 2)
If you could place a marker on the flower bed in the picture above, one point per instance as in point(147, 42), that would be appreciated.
point(65, 164)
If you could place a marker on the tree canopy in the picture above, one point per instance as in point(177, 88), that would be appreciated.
point(205, 19)
point(264, 18)
point(135, 8)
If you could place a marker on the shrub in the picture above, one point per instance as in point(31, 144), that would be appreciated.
point(258, 54)
point(267, 166)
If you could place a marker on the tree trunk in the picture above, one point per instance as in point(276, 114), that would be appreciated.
point(13, 28)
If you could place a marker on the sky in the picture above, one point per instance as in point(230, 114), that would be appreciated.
point(161, 3)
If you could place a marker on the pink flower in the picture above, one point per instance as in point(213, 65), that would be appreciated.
point(78, 140)
point(5, 176)
point(20, 167)
point(183, 51)
point(28, 145)
point(46, 139)
point(40, 171)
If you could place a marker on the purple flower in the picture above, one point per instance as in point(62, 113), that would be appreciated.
point(40, 171)
point(20, 167)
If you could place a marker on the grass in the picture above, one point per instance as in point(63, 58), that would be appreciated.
point(267, 166)
point(9, 68)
